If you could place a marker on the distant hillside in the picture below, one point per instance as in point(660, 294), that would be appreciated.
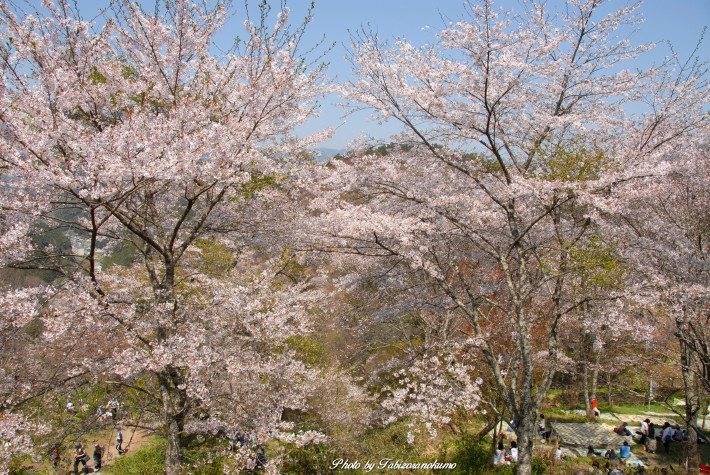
point(327, 153)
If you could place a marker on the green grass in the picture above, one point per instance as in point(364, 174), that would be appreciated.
point(635, 409)
point(554, 414)
point(146, 461)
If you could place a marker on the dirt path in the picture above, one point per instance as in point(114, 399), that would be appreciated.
point(134, 439)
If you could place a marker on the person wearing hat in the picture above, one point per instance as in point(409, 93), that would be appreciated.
point(80, 457)
point(98, 454)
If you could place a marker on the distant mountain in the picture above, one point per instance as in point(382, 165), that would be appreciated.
point(327, 153)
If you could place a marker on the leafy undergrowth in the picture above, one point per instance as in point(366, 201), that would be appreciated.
point(150, 460)
point(373, 446)
point(557, 415)
point(146, 461)
point(474, 457)
point(634, 409)
point(471, 456)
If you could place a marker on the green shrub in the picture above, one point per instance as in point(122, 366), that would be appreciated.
point(20, 465)
point(540, 466)
point(310, 459)
point(474, 457)
point(564, 417)
point(146, 461)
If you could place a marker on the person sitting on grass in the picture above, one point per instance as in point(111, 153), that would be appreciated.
point(514, 451)
point(678, 434)
point(623, 429)
point(624, 451)
point(499, 456)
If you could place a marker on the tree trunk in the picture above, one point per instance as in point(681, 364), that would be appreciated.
point(174, 406)
point(608, 385)
point(692, 454)
point(595, 374)
point(587, 399)
point(591, 399)
point(525, 431)
point(494, 443)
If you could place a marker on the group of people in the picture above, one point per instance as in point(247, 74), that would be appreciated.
point(249, 440)
point(652, 436)
point(624, 452)
point(111, 411)
point(506, 457)
point(81, 457)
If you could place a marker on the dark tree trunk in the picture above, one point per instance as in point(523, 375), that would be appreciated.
point(174, 407)
point(525, 431)
point(692, 453)
point(587, 399)
point(608, 386)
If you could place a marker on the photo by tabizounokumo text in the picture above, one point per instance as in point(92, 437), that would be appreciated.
point(389, 464)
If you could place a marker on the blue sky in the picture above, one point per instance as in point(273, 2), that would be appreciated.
point(679, 21)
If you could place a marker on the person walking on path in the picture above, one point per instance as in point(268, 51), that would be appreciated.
point(98, 454)
point(80, 457)
point(119, 441)
point(55, 458)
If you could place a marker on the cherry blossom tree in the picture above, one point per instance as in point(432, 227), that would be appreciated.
point(516, 130)
point(607, 339)
point(668, 220)
point(130, 136)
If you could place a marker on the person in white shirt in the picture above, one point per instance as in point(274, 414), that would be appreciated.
point(499, 457)
point(644, 431)
point(542, 428)
point(514, 451)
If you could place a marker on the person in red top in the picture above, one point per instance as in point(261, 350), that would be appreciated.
point(595, 409)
